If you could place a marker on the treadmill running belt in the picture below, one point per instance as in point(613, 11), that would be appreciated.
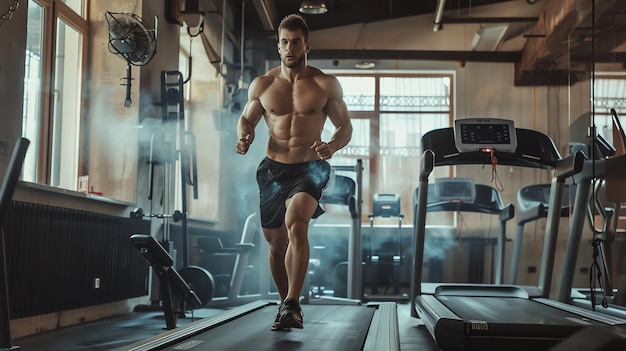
point(514, 317)
point(326, 327)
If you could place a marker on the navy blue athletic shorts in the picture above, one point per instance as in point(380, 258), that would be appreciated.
point(280, 181)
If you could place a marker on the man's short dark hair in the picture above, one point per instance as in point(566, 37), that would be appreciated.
point(294, 22)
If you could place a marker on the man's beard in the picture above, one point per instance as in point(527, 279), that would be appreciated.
point(297, 61)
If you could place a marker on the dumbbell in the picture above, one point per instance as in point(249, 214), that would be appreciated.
point(137, 213)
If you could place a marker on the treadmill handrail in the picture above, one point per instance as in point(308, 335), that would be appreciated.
point(428, 163)
point(531, 207)
point(445, 206)
point(14, 169)
point(569, 166)
point(604, 318)
point(477, 290)
point(538, 150)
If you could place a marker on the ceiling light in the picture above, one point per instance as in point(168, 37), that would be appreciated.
point(312, 7)
point(489, 38)
point(365, 65)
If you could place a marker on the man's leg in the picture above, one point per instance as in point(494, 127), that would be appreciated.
point(300, 208)
point(278, 241)
point(277, 238)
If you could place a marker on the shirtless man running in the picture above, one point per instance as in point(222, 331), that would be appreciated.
point(295, 100)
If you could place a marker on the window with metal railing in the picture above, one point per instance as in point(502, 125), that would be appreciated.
point(389, 114)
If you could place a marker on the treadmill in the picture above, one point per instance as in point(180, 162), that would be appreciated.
point(601, 178)
point(7, 188)
point(486, 316)
point(464, 195)
point(329, 324)
point(370, 327)
point(532, 204)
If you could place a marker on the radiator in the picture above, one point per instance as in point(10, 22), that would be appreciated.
point(60, 259)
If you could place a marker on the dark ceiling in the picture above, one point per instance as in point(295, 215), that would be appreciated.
point(558, 44)
point(344, 12)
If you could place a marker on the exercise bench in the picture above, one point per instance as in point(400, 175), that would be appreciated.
point(175, 291)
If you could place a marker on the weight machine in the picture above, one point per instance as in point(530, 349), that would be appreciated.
point(178, 288)
point(602, 173)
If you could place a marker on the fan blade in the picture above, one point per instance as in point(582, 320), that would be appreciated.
point(123, 46)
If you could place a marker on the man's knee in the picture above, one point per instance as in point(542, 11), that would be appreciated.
point(276, 238)
point(298, 232)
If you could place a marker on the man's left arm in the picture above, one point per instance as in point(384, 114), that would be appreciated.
point(338, 114)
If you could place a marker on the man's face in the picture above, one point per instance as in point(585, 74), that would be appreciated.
point(292, 47)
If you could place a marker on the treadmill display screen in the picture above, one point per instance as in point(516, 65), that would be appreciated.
point(455, 189)
point(485, 134)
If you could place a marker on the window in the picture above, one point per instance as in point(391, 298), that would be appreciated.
point(76, 5)
point(53, 86)
point(389, 115)
point(33, 84)
point(610, 92)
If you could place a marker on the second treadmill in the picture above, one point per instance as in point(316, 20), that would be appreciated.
point(480, 316)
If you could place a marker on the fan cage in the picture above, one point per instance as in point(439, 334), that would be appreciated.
point(130, 37)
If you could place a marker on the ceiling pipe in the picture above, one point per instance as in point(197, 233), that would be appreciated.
point(439, 15)
point(240, 83)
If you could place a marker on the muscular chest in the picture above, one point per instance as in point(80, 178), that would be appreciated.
point(302, 97)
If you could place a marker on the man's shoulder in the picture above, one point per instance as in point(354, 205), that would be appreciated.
point(266, 78)
point(317, 73)
point(271, 74)
point(262, 82)
point(322, 78)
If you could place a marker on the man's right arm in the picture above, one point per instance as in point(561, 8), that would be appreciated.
point(252, 112)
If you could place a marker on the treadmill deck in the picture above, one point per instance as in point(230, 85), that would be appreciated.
point(248, 327)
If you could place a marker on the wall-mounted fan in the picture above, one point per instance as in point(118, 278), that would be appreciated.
point(130, 38)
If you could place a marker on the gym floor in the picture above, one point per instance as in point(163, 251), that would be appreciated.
point(117, 332)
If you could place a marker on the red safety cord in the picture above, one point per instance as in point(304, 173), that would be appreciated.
point(494, 173)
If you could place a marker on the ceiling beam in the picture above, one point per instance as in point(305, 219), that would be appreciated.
point(268, 15)
point(418, 55)
point(554, 37)
point(482, 20)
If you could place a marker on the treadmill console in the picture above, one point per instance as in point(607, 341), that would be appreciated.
point(455, 189)
point(485, 134)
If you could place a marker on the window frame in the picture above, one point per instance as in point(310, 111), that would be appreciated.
point(57, 10)
point(374, 116)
